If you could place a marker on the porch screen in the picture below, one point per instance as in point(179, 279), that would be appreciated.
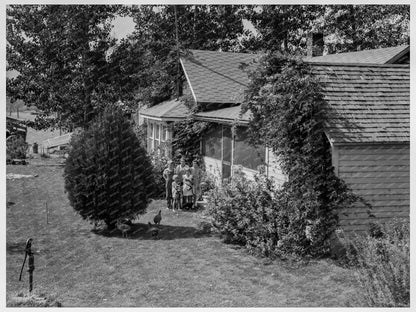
point(245, 154)
point(212, 143)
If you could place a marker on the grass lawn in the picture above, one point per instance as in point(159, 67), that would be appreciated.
point(83, 268)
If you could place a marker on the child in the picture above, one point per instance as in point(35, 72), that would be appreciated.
point(188, 187)
point(168, 176)
point(176, 193)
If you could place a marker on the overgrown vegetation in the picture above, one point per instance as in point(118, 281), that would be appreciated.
point(382, 263)
point(288, 117)
point(108, 174)
point(160, 163)
point(16, 148)
point(187, 136)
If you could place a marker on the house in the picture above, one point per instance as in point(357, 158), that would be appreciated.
point(159, 121)
point(368, 93)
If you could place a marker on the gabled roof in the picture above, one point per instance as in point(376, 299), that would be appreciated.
point(375, 56)
point(168, 111)
point(367, 103)
point(216, 77)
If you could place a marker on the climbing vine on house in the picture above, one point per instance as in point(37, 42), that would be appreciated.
point(289, 112)
point(187, 134)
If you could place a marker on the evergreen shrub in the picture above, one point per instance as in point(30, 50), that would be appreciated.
point(108, 174)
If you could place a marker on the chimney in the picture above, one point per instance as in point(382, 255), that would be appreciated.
point(315, 44)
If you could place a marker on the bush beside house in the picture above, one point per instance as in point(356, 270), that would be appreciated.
point(381, 260)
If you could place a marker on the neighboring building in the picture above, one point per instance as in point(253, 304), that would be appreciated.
point(368, 93)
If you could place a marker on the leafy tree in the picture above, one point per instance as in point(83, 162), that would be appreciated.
point(108, 174)
point(61, 53)
point(206, 27)
point(347, 27)
point(280, 27)
point(359, 27)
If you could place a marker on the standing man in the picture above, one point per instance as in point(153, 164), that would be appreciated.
point(168, 176)
point(180, 169)
point(196, 173)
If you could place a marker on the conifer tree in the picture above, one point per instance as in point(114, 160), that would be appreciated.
point(108, 174)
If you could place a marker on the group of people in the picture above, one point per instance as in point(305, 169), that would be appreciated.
point(182, 184)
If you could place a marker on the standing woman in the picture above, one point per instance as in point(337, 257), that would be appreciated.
point(196, 173)
point(188, 187)
point(168, 176)
point(180, 169)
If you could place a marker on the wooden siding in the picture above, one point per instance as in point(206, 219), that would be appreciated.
point(274, 170)
point(213, 167)
point(381, 175)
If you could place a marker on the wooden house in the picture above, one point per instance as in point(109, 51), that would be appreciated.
point(368, 93)
point(159, 120)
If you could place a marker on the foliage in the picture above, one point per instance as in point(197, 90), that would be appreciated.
point(141, 132)
point(187, 135)
point(264, 219)
point(207, 182)
point(61, 55)
point(32, 301)
point(360, 27)
point(289, 113)
point(280, 27)
point(346, 27)
point(16, 147)
point(382, 264)
point(205, 27)
point(108, 174)
point(160, 163)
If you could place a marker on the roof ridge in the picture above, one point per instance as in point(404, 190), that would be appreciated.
point(226, 52)
point(358, 64)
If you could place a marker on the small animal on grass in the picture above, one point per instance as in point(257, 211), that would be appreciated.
point(154, 230)
point(158, 217)
point(124, 228)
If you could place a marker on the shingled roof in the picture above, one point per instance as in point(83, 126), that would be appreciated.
point(168, 111)
point(216, 77)
point(375, 56)
point(225, 115)
point(367, 103)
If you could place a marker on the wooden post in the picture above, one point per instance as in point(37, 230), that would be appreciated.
point(17, 111)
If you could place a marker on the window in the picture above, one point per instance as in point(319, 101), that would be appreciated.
point(164, 133)
point(212, 142)
point(245, 154)
point(149, 136)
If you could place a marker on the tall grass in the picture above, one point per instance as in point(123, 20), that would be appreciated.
point(382, 263)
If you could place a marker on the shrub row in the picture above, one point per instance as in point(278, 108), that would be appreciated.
point(261, 217)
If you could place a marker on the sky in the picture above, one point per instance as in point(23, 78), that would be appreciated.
point(123, 26)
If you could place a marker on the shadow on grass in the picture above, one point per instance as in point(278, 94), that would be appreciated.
point(18, 247)
point(166, 232)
